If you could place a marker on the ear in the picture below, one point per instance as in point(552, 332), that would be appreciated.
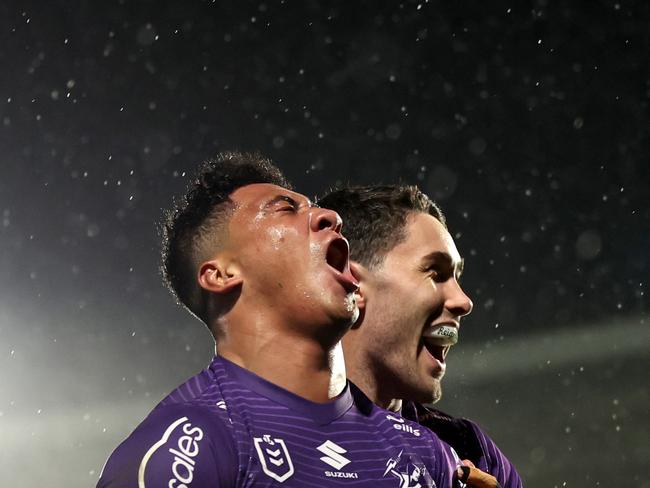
point(220, 275)
point(360, 273)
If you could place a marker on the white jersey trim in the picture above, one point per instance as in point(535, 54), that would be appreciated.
point(152, 449)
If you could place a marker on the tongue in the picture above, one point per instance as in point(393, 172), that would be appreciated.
point(441, 335)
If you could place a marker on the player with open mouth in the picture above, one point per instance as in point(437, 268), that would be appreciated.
point(411, 305)
point(269, 274)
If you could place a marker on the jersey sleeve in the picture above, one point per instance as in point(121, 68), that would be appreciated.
point(445, 461)
point(468, 440)
point(496, 463)
point(173, 448)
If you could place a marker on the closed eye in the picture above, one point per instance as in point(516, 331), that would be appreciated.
point(286, 204)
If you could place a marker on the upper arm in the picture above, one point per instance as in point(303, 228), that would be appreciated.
point(496, 463)
point(173, 449)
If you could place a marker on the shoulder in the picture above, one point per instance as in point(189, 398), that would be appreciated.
point(182, 442)
point(413, 447)
point(457, 432)
point(469, 440)
point(433, 451)
point(496, 463)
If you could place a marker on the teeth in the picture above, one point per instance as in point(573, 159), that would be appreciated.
point(441, 335)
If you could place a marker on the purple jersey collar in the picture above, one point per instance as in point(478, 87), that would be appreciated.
point(321, 413)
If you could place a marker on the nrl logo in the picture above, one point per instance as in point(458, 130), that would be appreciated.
point(274, 457)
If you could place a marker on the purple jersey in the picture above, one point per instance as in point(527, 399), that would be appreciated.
point(468, 440)
point(227, 427)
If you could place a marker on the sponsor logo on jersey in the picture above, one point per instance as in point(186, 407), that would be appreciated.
point(334, 457)
point(403, 425)
point(274, 457)
point(341, 474)
point(183, 450)
point(409, 472)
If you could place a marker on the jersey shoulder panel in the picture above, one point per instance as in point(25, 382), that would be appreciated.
point(468, 440)
point(496, 463)
point(414, 451)
point(177, 444)
point(456, 432)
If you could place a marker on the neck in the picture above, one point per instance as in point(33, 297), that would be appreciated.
point(299, 364)
point(360, 373)
point(365, 381)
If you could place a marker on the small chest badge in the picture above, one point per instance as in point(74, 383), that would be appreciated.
point(274, 457)
point(409, 471)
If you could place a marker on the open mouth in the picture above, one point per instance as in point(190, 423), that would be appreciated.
point(337, 254)
point(438, 352)
point(438, 339)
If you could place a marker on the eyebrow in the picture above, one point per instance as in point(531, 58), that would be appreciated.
point(444, 259)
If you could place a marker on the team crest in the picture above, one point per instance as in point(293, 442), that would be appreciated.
point(409, 471)
point(274, 457)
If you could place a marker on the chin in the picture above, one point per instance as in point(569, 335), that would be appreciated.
point(436, 396)
point(348, 318)
point(429, 393)
point(345, 311)
point(435, 393)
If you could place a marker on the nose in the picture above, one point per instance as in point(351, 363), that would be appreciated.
point(324, 218)
point(457, 301)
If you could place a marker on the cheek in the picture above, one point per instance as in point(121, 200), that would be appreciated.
point(278, 245)
point(276, 238)
point(427, 297)
point(402, 317)
point(394, 348)
point(391, 331)
point(316, 249)
point(279, 237)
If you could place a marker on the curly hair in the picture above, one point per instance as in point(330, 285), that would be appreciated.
point(375, 217)
point(197, 226)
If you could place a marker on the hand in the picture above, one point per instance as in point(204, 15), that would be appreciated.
point(474, 477)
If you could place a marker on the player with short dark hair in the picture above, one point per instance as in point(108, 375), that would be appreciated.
point(198, 225)
point(268, 272)
point(410, 303)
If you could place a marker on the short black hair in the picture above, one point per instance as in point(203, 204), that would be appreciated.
point(375, 217)
point(197, 224)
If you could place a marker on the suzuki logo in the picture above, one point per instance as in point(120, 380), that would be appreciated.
point(333, 455)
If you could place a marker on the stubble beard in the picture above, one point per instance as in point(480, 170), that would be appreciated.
point(436, 393)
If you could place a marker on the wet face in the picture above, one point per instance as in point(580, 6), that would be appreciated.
point(293, 259)
point(413, 307)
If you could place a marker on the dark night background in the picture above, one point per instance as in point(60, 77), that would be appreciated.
point(527, 121)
